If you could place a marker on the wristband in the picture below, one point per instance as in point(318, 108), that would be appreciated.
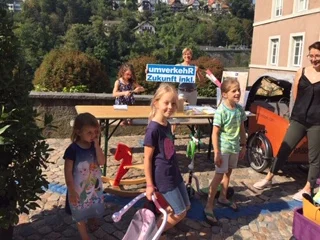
point(150, 185)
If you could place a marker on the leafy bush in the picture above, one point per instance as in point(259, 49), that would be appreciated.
point(22, 144)
point(76, 89)
point(39, 88)
point(61, 68)
point(139, 65)
point(205, 86)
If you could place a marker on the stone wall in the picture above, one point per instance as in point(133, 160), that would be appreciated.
point(62, 108)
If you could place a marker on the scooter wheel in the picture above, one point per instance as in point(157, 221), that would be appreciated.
point(190, 191)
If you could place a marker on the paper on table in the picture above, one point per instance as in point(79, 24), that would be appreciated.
point(120, 107)
point(198, 110)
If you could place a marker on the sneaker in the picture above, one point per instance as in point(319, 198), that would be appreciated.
point(262, 184)
point(298, 195)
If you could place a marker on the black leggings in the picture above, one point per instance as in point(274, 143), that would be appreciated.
point(295, 133)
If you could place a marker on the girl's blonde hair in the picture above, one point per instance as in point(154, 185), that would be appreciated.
point(227, 85)
point(162, 89)
point(125, 67)
point(82, 120)
point(187, 50)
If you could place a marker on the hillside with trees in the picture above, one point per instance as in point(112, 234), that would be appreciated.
point(82, 26)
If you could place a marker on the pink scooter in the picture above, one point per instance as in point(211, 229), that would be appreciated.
point(143, 226)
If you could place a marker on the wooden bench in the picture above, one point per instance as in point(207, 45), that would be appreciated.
point(176, 121)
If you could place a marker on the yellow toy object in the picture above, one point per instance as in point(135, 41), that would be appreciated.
point(310, 211)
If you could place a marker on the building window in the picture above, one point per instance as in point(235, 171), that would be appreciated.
point(278, 5)
point(302, 5)
point(297, 49)
point(274, 51)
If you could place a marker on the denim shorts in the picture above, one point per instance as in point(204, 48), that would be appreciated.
point(178, 199)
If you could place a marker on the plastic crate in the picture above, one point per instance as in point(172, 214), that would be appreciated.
point(303, 228)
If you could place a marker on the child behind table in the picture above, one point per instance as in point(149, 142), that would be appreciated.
point(83, 175)
point(229, 143)
point(161, 165)
point(125, 87)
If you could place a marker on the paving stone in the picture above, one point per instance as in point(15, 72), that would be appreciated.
point(53, 236)
point(244, 227)
point(246, 234)
point(192, 236)
point(45, 230)
point(237, 237)
point(69, 232)
point(253, 226)
point(259, 236)
point(38, 224)
point(182, 227)
point(242, 221)
point(52, 221)
point(35, 215)
point(216, 229)
point(99, 233)
point(217, 237)
point(68, 220)
point(23, 218)
point(45, 196)
point(35, 237)
point(54, 197)
point(118, 234)
point(110, 237)
point(192, 224)
point(108, 228)
point(19, 237)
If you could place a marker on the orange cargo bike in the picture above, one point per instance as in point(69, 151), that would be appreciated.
point(271, 101)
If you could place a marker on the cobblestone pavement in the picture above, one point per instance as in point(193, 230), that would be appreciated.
point(258, 219)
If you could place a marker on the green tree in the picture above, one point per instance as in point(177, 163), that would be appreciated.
point(242, 8)
point(139, 65)
point(26, 152)
point(204, 85)
point(64, 69)
point(36, 40)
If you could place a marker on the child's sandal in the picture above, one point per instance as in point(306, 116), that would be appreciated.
point(210, 218)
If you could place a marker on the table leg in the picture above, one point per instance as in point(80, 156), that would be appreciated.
point(106, 140)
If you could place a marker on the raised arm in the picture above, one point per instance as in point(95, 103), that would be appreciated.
point(138, 88)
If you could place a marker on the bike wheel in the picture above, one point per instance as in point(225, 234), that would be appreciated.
point(257, 153)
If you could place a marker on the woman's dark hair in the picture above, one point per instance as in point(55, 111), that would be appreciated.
point(315, 45)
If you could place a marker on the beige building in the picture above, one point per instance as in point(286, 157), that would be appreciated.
point(282, 33)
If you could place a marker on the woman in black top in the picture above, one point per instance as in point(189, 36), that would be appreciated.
point(305, 120)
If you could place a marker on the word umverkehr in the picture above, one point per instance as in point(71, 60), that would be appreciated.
point(171, 73)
